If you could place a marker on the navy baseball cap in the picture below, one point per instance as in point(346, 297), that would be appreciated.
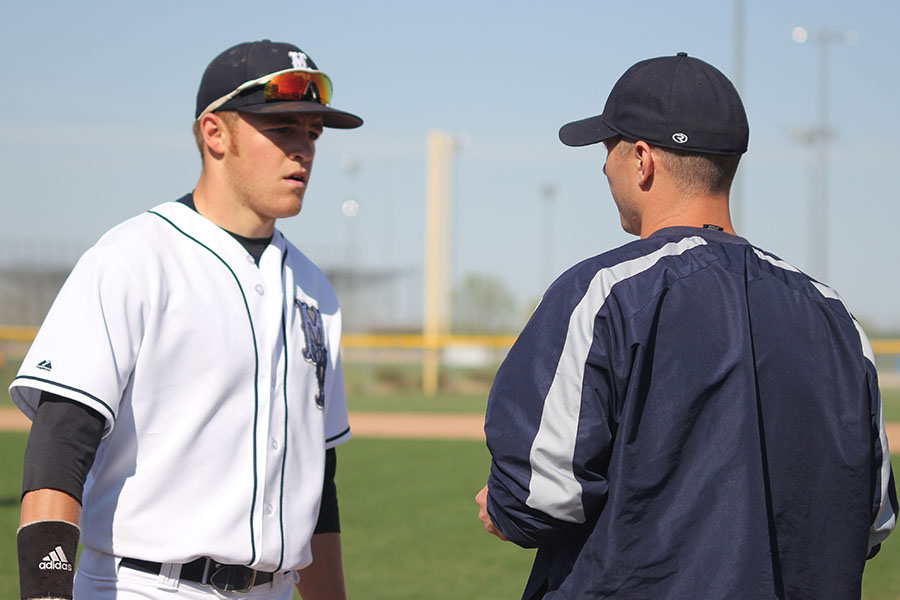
point(677, 102)
point(269, 77)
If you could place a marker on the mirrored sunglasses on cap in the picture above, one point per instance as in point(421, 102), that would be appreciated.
point(293, 85)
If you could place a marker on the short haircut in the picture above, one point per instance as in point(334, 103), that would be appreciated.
point(700, 173)
point(696, 173)
point(228, 117)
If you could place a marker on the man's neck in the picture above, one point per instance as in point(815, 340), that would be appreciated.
point(254, 246)
point(695, 211)
point(230, 216)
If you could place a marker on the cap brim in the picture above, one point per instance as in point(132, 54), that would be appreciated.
point(331, 117)
point(586, 131)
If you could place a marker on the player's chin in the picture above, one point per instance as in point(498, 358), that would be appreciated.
point(289, 206)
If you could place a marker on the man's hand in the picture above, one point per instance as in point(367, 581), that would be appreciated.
point(481, 500)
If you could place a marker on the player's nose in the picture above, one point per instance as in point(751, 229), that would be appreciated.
point(301, 148)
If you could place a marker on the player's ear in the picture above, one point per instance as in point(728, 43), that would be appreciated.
point(644, 163)
point(215, 133)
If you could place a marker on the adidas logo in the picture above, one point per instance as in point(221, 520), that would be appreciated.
point(55, 561)
point(45, 365)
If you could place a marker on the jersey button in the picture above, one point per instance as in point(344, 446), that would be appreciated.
point(270, 509)
point(260, 290)
point(250, 259)
point(275, 445)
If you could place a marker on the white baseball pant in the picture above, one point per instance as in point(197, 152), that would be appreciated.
point(100, 577)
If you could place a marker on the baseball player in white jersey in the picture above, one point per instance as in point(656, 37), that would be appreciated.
point(186, 385)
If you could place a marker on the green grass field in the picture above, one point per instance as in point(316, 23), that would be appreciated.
point(410, 529)
point(407, 512)
point(409, 401)
point(891, 400)
point(409, 520)
point(410, 523)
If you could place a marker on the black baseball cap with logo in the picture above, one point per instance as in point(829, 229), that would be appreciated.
point(269, 77)
point(677, 102)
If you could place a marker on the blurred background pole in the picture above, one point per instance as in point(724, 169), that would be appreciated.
point(737, 188)
point(548, 193)
point(350, 209)
point(819, 137)
point(436, 316)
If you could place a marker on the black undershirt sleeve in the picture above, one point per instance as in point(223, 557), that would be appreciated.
point(329, 518)
point(61, 446)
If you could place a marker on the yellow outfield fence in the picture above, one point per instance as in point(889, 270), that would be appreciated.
point(413, 341)
point(366, 341)
point(12, 333)
point(433, 350)
point(421, 342)
point(886, 346)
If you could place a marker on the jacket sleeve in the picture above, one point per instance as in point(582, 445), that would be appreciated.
point(884, 496)
point(549, 423)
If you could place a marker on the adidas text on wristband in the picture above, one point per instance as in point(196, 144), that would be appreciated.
point(47, 559)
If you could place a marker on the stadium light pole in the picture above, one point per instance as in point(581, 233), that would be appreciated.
point(740, 29)
point(818, 138)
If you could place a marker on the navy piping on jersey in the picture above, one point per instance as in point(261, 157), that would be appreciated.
point(284, 386)
point(255, 376)
point(340, 435)
point(74, 389)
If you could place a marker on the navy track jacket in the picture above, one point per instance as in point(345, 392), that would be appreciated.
point(688, 417)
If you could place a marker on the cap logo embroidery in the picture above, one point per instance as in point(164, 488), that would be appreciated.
point(680, 138)
point(298, 59)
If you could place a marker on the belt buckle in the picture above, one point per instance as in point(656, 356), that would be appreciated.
point(231, 578)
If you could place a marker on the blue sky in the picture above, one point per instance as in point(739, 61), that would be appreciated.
point(98, 97)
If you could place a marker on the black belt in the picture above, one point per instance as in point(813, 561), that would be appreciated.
point(206, 571)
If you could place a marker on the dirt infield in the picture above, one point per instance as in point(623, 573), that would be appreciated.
point(417, 425)
point(397, 425)
point(13, 420)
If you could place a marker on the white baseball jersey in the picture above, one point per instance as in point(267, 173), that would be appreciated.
point(220, 382)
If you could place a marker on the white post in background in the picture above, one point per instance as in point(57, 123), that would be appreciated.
point(438, 235)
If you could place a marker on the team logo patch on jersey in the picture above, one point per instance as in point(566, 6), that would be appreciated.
point(45, 365)
point(315, 351)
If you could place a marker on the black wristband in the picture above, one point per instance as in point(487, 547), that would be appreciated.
point(47, 552)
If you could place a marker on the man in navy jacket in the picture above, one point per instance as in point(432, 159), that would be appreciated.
point(687, 416)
